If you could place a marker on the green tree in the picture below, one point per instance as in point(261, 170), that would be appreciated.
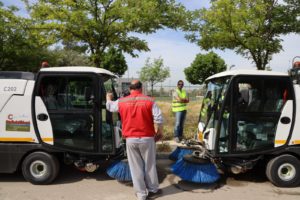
point(100, 24)
point(19, 48)
point(288, 15)
point(250, 28)
point(154, 72)
point(69, 57)
point(114, 61)
point(204, 66)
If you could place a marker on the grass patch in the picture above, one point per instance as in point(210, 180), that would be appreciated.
point(163, 146)
point(191, 121)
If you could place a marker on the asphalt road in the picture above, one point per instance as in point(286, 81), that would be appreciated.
point(72, 184)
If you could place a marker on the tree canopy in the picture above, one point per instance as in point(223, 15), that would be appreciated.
point(114, 61)
point(100, 24)
point(19, 48)
point(154, 72)
point(250, 28)
point(204, 66)
point(69, 57)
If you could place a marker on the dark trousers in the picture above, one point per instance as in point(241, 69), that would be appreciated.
point(179, 122)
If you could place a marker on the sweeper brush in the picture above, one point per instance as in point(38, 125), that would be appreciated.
point(189, 147)
point(197, 170)
point(120, 170)
point(179, 152)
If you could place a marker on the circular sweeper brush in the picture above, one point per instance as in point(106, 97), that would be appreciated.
point(195, 168)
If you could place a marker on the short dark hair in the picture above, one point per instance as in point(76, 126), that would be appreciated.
point(136, 86)
point(180, 81)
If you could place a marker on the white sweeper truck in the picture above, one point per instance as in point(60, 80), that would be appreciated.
point(57, 115)
point(247, 117)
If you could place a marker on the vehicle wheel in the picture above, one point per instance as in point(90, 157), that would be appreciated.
point(284, 171)
point(40, 168)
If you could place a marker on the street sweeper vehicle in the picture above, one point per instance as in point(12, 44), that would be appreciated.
point(57, 115)
point(247, 117)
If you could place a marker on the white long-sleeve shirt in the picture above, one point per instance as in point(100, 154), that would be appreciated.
point(113, 106)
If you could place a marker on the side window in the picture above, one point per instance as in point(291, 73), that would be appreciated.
point(224, 126)
point(67, 93)
point(249, 96)
point(259, 106)
point(109, 119)
point(276, 94)
point(51, 90)
point(81, 94)
point(69, 101)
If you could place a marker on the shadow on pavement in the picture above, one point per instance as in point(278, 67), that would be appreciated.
point(256, 175)
point(70, 174)
point(67, 174)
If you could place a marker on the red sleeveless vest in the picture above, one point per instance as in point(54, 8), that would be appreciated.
point(136, 115)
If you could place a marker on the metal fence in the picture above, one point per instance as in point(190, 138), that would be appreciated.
point(166, 91)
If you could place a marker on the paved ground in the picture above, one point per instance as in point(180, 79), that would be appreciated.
point(72, 184)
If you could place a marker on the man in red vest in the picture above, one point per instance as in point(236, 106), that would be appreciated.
point(138, 114)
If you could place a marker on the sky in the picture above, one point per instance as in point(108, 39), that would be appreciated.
point(178, 53)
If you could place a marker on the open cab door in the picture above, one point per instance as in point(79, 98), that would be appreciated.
point(247, 115)
point(70, 109)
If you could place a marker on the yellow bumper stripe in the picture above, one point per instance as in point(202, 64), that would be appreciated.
point(280, 141)
point(5, 139)
point(47, 139)
point(296, 142)
point(17, 139)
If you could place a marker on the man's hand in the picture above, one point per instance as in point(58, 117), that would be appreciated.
point(186, 100)
point(109, 96)
point(157, 137)
point(159, 132)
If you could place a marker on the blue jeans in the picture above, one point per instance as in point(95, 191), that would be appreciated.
point(179, 122)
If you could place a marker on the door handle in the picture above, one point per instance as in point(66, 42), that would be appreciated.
point(285, 120)
point(42, 117)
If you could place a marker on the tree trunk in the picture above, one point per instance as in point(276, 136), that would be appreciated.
point(97, 61)
point(258, 58)
point(152, 88)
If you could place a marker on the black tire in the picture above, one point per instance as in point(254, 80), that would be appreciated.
point(40, 168)
point(284, 171)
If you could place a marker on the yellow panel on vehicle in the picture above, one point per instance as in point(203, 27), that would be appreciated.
point(280, 141)
point(296, 142)
point(47, 139)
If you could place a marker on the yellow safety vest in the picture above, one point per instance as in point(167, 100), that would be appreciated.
point(178, 106)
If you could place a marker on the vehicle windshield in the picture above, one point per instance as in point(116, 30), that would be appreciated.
point(213, 100)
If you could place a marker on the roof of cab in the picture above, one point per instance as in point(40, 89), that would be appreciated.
point(246, 72)
point(16, 75)
point(78, 69)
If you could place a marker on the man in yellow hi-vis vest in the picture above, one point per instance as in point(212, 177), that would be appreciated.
point(180, 100)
